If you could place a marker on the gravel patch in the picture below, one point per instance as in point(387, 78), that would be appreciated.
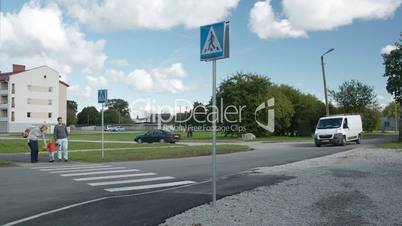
point(358, 187)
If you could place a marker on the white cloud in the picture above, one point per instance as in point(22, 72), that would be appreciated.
point(115, 15)
point(37, 35)
point(301, 16)
point(120, 62)
point(78, 91)
point(387, 49)
point(265, 25)
point(97, 82)
point(169, 79)
point(161, 79)
point(114, 75)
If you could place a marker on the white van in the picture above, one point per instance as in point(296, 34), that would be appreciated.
point(338, 129)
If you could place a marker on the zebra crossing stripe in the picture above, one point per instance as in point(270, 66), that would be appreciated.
point(114, 176)
point(77, 167)
point(87, 170)
point(98, 172)
point(64, 166)
point(130, 181)
point(143, 187)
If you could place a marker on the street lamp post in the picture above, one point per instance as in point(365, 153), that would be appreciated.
point(325, 82)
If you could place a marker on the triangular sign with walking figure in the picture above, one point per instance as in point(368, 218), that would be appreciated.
point(211, 44)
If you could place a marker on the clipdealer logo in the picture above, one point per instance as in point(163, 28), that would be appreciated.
point(270, 126)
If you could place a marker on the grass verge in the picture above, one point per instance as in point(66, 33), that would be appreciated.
point(154, 153)
point(17, 146)
point(390, 145)
point(6, 164)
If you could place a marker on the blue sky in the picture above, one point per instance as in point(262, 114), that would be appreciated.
point(157, 56)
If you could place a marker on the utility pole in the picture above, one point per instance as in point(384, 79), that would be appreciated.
point(325, 82)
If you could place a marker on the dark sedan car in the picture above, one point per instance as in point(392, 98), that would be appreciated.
point(158, 135)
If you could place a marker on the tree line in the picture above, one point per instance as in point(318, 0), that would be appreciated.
point(116, 113)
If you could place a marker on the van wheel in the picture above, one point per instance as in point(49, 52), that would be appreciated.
point(343, 141)
point(359, 140)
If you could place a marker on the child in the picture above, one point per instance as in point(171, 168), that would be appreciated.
point(51, 148)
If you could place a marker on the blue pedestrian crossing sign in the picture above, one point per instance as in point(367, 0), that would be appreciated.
point(214, 41)
point(102, 96)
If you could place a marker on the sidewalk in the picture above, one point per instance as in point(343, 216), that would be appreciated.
point(357, 187)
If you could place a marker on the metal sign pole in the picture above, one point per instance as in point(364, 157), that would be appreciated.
point(103, 135)
point(214, 112)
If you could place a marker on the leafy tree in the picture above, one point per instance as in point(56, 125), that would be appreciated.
point(246, 92)
point(89, 116)
point(111, 116)
point(71, 112)
point(355, 97)
point(307, 111)
point(393, 73)
point(389, 110)
point(122, 107)
point(371, 119)
point(198, 115)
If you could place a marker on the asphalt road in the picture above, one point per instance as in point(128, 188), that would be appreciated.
point(27, 192)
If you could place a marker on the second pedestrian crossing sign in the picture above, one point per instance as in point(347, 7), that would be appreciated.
point(214, 41)
point(102, 96)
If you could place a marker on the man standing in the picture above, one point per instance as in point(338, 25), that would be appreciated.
point(60, 134)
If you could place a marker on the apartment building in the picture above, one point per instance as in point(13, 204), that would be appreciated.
point(31, 97)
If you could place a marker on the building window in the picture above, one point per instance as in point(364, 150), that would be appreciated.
point(12, 116)
point(12, 102)
point(29, 101)
point(50, 102)
point(28, 114)
point(44, 76)
point(49, 115)
point(50, 89)
point(29, 87)
point(13, 88)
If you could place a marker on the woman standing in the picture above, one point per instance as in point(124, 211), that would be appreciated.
point(33, 137)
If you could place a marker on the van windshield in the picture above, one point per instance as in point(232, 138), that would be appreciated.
point(330, 123)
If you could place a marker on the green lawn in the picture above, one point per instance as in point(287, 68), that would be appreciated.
point(379, 133)
point(15, 146)
point(153, 153)
point(393, 145)
point(6, 164)
point(112, 136)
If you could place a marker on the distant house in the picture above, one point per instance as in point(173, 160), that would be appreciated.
point(31, 97)
point(388, 124)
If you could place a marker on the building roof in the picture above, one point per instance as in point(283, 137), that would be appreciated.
point(64, 83)
point(17, 69)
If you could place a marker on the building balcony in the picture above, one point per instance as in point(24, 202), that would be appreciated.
point(3, 105)
point(3, 119)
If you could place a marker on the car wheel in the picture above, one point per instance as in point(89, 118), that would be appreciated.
point(162, 141)
point(317, 144)
point(359, 140)
point(139, 141)
point(343, 141)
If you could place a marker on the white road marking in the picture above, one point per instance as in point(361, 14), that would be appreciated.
point(99, 172)
point(63, 166)
point(53, 211)
point(87, 170)
point(130, 181)
point(74, 167)
point(142, 187)
point(16, 222)
point(114, 176)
